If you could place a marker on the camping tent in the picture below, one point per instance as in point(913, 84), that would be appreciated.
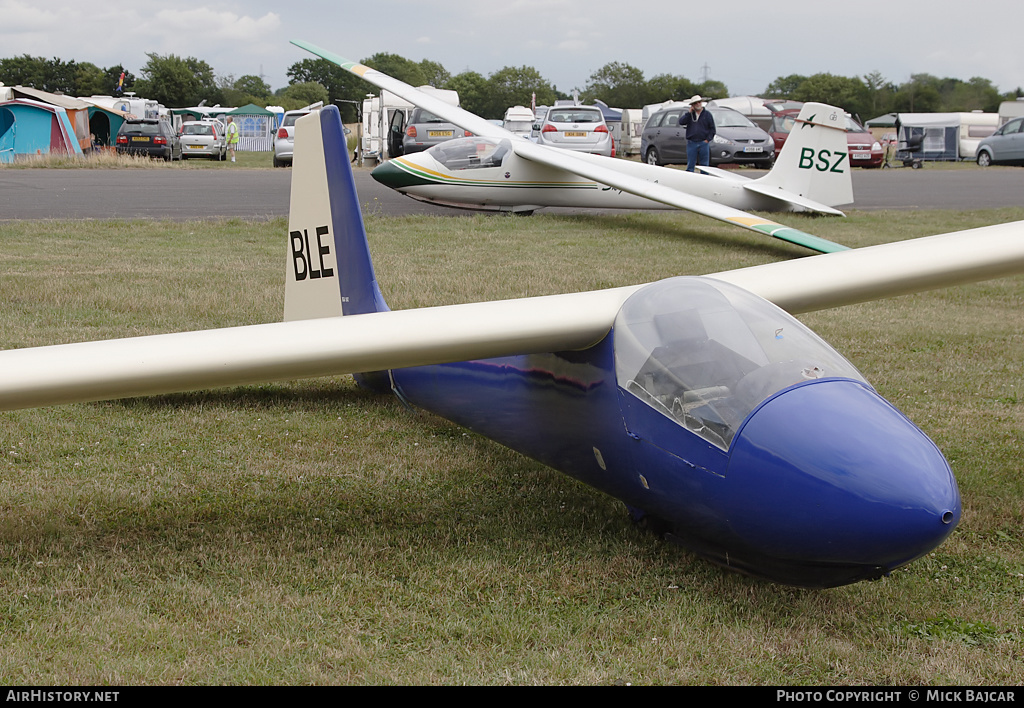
point(77, 111)
point(29, 127)
point(256, 128)
point(104, 124)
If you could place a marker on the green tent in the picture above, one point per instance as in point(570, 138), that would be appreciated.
point(256, 127)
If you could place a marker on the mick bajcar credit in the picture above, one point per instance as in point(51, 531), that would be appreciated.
point(897, 695)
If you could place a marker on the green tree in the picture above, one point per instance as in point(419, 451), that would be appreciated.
point(53, 75)
point(254, 86)
point(880, 93)
point(711, 89)
point(847, 93)
point(176, 82)
point(977, 94)
point(919, 95)
point(784, 87)
point(514, 86)
point(301, 95)
point(667, 87)
point(340, 84)
point(398, 67)
point(618, 84)
point(473, 90)
point(434, 74)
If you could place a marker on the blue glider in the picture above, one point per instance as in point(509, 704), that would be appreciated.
point(700, 402)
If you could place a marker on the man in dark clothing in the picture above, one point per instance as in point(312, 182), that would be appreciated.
point(700, 131)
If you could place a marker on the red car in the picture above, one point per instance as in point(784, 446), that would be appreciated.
point(865, 151)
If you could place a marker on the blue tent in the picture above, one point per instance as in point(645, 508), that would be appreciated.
point(29, 127)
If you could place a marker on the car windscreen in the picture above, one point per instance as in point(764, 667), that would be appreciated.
point(425, 117)
point(471, 153)
point(563, 115)
point(731, 119)
point(198, 130)
point(143, 128)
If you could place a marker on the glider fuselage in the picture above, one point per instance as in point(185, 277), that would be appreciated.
point(507, 182)
point(764, 451)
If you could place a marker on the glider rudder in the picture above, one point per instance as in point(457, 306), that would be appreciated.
point(329, 270)
point(815, 161)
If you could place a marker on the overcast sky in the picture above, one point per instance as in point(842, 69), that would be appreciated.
point(742, 43)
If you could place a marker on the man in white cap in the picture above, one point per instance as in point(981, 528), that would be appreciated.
point(700, 131)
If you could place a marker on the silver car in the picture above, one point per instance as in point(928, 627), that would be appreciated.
point(580, 128)
point(1003, 147)
point(203, 138)
point(284, 139)
point(425, 130)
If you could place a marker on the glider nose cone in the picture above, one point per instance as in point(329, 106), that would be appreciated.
point(838, 477)
point(393, 174)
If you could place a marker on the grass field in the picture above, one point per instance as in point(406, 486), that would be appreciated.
point(307, 532)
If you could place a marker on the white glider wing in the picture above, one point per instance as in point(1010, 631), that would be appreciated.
point(567, 161)
point(340, 345)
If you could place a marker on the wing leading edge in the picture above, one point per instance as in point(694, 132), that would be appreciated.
point(566, 160)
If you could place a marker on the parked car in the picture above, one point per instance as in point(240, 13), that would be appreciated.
point(284, 138)
point(781, 126)
point(579, 128)
point(424, 130)
point(148, 136)
point(865, 151)
point(1005, 146)
point(737, 139)
point(203, 138)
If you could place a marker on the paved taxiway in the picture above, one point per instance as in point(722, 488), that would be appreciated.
point(247, 193)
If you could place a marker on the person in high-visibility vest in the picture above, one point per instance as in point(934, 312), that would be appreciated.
point(232, 136)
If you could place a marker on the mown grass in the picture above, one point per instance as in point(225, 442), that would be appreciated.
point(308, 532)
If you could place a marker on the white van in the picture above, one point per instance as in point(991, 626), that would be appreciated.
point(518, 120)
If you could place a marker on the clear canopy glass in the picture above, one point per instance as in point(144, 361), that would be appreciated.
point(471, 153)
point(705, 353)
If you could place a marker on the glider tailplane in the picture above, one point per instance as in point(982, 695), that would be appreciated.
point(329, 271)
point(814, 163)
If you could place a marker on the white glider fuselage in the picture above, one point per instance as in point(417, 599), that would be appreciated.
point(517, 184)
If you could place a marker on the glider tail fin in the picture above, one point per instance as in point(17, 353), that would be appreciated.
point(329, 270)
point(815, 161)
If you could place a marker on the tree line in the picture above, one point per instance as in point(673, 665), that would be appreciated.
point(179, 82)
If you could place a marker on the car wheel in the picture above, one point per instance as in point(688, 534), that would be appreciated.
point(277, 163)
point(984, 159)
point(652, 157)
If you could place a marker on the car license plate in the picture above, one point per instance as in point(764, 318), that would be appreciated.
point(140, 139)
point(194, 147)
point(753, 148)
point(575, 134)
point(861, 155)
point(440, 133)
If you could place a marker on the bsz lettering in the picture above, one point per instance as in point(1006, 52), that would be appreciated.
point(305, 260)
point(827, 161)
